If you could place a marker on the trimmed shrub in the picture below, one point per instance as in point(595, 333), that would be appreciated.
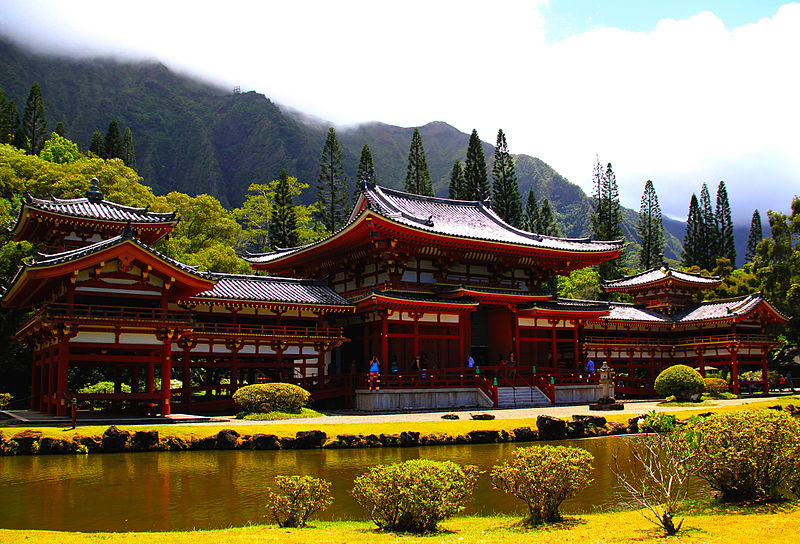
point(5, 400)
point(747, 455)
point(104, 387)
point(296, 498)
point(266, 397)
point(680, 381)
point(715, 386)
point(415, 495)
point(543, 477)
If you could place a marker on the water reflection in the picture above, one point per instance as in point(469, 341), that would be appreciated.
point(211, 489)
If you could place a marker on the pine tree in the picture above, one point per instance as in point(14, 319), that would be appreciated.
point(607, 216)
point(366, 169)
point(418, 179)
point(726, 246)
point(532, 213)
point(709, 236)
point(128, 154)
point(60, 130)
point(505, 191)
point(33, 120)
point(332, 185)
point(97, 146)
point(547, 222)
point(692, 241)
point(283, 219)
point(456, 189)
point(113, 141)
point(651, 228)
point(9, 122)
point(476, 183)
point(756, 235)
point(19, 140)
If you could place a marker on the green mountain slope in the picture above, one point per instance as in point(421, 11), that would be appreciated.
point(196, 138)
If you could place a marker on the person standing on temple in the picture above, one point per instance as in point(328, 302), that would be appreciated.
point(512, 365)
point(374, 371)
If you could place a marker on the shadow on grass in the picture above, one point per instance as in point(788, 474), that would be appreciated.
point(566, 523)
point(655, 533)
point(715, 508)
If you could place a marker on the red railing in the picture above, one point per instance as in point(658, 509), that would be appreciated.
point(666, 344)
point(238, 329)
point(58, 311)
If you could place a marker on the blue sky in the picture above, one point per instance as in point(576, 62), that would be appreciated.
point(681, 93)
point(566, 18)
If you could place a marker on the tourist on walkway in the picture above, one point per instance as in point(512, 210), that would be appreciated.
point(789, 382)
point(589, 366)
point(374, 371)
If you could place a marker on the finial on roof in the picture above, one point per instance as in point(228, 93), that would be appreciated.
point(127, 232)
point(661, 260)
point(94, 194)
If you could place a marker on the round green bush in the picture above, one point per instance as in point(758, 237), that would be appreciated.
point(266, 397)
point(681, 381)
point(416, 495)
point(543, 477)
point(715, 386)
point(296, 498)
point(748, 455)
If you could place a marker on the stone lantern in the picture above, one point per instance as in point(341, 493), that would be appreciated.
point(606, 400)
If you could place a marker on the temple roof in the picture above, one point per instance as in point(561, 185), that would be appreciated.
point(272, 289)
point(664, 274)
point(569, 305)
point(726, 309)
point(460, 219)
point(467, 219)
point(86, 208)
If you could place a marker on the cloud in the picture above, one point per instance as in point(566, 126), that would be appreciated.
point(689, 102)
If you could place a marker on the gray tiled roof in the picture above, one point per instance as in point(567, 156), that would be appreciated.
point(721, 309)
point(628, 312)
point(466, 219)
point(659, 274)
point(100, 209)
point(272, 289)
point(567, 304)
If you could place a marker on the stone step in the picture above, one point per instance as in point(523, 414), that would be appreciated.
point(508, 397)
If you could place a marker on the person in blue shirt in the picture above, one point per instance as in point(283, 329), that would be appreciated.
point(374, 370)
point(589, 366)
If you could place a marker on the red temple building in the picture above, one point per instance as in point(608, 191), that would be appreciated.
point(424, 284)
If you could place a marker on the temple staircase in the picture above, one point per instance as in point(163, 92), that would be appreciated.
point(521, 397)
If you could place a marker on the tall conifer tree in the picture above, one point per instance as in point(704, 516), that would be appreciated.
point(724, 225)
point(506, 201)
point(128, 154)
point(475, 177)
point(708, 245)
point(366, 169)
point(9, 122)
point(607, 216)
point(97, 145)
point(60, 130)
point(651, 228)
point(283, 219)
point(33, 120)
point(692, 248)
point(457, 183)
point(113, 141)
point(756, 235)
point(531, 213)
point(418, 179)
point(332, 185)
point(547, 221)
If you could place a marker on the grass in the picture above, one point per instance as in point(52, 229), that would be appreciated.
point(676, 404)
point(277, 415)
point(451, 427)
point(766, 524)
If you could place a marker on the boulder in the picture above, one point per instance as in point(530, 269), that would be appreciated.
point(615, 427)
point(306, 440)
point(115, 440)
point(590, 421)
point(347, 441)
point(551, 428)
point(525, 434)
point(435, 439)
point(28, 441)
point(93, 444)
point(409, 439)
point(389, 440)
point(777, 407)
point(575, 429)
point(207, 443)
point(450, 416)
point(484, 437)
point(262, 441)
point(56, 446)
point(633, 423)
point(482, 417)
point(174, 443)
point(226, 439)
point(144, 440)
point(372, 441)
point(287, 442)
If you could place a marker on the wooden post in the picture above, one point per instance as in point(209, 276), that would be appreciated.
point(166, 374)
point(384, 343)
point(735, 368)
point(61, 379)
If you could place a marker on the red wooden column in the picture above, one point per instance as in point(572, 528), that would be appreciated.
point(515, 332)
point(187, 374)
point(384, 342)
point(553, 323)
point(764, 376)
point(735, 367)
point(61, 384)
point(43, 375)
point(166, 373)
point(465, 336)
point(36, 376)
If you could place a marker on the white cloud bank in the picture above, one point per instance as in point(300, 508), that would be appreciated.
point(689, 102)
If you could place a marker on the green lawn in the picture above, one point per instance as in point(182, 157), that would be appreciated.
point(715, 524)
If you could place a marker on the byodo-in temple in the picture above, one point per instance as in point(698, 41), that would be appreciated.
point(443, 293)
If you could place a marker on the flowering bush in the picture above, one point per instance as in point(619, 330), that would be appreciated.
point(297, 498)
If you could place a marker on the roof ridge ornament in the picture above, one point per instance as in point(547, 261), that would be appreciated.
point(94, 194)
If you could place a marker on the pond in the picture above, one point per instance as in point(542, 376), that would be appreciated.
point(164, 491)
